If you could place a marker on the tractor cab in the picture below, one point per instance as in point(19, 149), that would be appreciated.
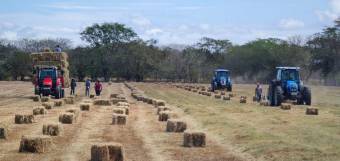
point(221, 80)
point(290, 79)
point(288, 86)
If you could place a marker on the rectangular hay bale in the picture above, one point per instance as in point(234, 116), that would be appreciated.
point(194, 139)
point(24, 119)
point(285, 106)
point(69, 100)
point(3, 131)
point(35, 143)
point(39, 111)
point(102, 102)
point(67, 118)
point(58, 103)
point(47, 105)
point(52, 129)
point(45, 99)
point(165, 115)
point(107, 152)
point(119, 119)
point(85, 106)
point(174, 125)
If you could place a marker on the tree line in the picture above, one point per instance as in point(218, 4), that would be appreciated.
point(115, 51)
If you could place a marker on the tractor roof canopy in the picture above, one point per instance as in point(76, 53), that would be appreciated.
point(293, 68)
point(221, 70)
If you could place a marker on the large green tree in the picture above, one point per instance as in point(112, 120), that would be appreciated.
point(108, 34)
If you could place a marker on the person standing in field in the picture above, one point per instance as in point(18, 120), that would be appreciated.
point(73, 86)
point(87, 87)
point(57, 49)
point(258, 92)
point(98, 87)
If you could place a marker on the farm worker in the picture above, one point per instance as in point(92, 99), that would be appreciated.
point(57, 49)
point(98, 87)
point(87, 87)
point(258, 92)
point(73, 86)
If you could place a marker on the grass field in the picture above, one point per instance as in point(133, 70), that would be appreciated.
point(265, 133)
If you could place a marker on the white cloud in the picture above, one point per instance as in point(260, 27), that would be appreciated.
point(154, 31)
point(330, 14)
point(188, 8)
point(291, 24)
point(141, 21)
point(69, 6)
point(335, 6)
point(205, 26)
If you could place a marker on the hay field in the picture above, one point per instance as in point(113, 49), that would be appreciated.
point(143, 137)
point(259, 132)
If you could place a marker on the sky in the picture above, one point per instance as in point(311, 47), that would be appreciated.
point(168, 21)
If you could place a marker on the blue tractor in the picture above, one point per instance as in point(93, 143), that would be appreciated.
point(221, 80)
point(288, 86)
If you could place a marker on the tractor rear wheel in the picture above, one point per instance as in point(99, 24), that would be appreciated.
point(230, 88)
point(278, 96)
point(307, 96)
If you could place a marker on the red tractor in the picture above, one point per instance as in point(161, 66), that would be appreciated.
point(48, 81)
point(50, 72)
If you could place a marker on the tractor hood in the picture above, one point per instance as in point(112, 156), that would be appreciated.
point(292, 86)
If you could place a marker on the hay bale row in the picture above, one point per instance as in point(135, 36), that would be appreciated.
point(75, 111)
point(119, 119)
point(232, 95)
point(67, 118)
point(243, 99)
point(39, 111)
point(35, 143)
point(312, 111)
point(107, 152)
point(157, 103)
point(285, 106)
point(174, 125)
point(85, 106)
point(116, 100)
point(24, 119)
point(35, 98)
point(194, 139)
point(52, 129)
point(69, 100)
point(162, 108)
point(47, 105)
point(165, 115)
point(45, 99)
point(102, 102)
point(123, 104)
point(126, 108)
point(119, 111)
point(3, 131)
point(226, 98)
point(114, 95)
point(58, 103)
point(217, 96)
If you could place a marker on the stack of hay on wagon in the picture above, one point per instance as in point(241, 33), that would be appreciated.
point(49, 58)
